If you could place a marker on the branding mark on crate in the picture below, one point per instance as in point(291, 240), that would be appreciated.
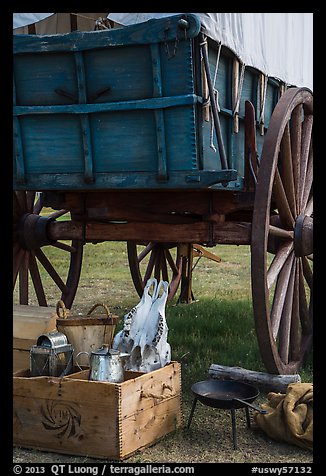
point(62, 418)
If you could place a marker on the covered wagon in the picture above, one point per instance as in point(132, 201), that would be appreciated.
point(167, 130)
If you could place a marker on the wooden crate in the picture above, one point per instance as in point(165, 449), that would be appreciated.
point(29, 322)
point(76, 416)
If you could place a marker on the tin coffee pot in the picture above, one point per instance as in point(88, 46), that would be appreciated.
point(105, 364)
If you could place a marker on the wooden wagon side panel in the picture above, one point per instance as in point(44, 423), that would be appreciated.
point(109, 109)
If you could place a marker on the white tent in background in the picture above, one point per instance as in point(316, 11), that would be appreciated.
point(52, 23)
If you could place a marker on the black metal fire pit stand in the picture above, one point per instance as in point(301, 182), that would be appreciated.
point(233, 420)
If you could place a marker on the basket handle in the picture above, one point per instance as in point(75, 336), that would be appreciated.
point(61, 306)
point(97, 305)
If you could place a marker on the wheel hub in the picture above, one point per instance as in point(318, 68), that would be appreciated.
point(303, 236)
point(32, 231)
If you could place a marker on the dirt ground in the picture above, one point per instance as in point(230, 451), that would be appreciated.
point(209, 440)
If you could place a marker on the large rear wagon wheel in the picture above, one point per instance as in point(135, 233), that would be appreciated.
point(282, 229)
point(32, 248)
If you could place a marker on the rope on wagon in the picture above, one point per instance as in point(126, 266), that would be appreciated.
point(263, 94)
point(211, 140)
point(238, 90)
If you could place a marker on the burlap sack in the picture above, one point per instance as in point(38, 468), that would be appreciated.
point(290, 415)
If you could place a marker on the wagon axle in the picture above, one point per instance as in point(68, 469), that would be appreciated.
point(303, 236)
point(32, 231)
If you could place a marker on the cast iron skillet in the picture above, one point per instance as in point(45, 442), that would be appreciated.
point(226, 394)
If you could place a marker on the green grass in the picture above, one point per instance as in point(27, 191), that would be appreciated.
point(218, 328)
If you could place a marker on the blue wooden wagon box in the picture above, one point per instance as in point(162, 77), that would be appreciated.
point(123, 109)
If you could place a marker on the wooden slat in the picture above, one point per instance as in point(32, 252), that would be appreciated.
point(199, 232)
point(137, 104)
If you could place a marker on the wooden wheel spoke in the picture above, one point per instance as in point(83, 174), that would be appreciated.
point(304, 309)
point(30, 198)
point(17, 259)
point(295, 330)
point(164, 268)
point(280, 294)
point(36, 278)
point(306, 193)
point(278, 263)
point(307, 272)
point(64, 247)
point(58, 214)
point(284, 209)
point(23, 279)
point(305, 150)
point(173, 266)
point(286, 170)
point(157, 269)
point(37, 206)
point(21, 197)
point(307, 190)
point(286, 318)
point(280, 232)
point(145, 251)
point(309, 208)
point(150, 266)
point(51, 271)
point(296, 139)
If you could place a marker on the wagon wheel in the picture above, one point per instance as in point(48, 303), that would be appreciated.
point(156, 259)
point(29, 237)
point(281, 242)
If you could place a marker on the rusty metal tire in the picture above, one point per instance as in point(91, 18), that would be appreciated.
point(29, 240)
point(281, 242)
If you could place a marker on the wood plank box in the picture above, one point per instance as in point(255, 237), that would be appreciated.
point(76, 416)
point(29, 322)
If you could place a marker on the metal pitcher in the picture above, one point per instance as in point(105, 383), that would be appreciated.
point(106, 364)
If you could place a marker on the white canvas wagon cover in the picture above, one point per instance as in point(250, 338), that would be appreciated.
point(279, 45)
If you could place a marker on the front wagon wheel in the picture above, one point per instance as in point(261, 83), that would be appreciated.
point(36, 278)
point(281, 242)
